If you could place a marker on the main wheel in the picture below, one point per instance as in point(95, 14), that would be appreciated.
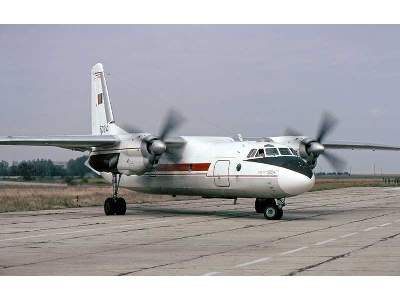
point(280, 213)
point(273, 212)
point(259, 205)
point(109, 207)
point(120, 206)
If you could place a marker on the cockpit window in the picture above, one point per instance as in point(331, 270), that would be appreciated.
point(260, 153)
point(271, 151)
point(294, 151)
point(251, 153)
point(285, 151)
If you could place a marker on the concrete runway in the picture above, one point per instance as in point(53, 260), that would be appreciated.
point(353, 231)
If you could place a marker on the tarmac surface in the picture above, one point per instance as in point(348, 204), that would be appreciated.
point(352, 231)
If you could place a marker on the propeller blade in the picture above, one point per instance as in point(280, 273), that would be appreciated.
point(291, 132)
point(337, 163)
point(131, 129)
point(172, 122)
point(328, 122)
point(173, 157)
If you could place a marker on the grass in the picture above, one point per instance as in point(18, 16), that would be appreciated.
point(326, 183)
point(24, 197)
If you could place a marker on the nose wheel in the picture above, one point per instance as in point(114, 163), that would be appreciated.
point(115, 205)
point(271, 208)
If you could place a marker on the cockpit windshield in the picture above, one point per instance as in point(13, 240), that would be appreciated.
point(285, 151)
point(251, 153)
point(260, 153)
point(271, 152)
point(294, 151)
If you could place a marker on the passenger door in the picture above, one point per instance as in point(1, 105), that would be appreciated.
point(221, 173)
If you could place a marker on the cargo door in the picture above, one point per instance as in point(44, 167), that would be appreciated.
point(221, 173)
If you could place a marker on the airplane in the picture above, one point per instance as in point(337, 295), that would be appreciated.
point(269, 169)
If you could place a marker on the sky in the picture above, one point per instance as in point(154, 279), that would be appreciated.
point(255, 80)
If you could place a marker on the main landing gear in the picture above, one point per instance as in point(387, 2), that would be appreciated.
point(271, 208)
point(115, 205)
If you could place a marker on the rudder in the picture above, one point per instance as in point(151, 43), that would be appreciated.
point(102, 115)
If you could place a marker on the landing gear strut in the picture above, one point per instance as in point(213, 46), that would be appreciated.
point(272, 208)
point(115, 205)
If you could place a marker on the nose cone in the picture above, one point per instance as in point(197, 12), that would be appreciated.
point(294, 183)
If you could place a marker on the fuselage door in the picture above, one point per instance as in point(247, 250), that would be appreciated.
point(221, 173)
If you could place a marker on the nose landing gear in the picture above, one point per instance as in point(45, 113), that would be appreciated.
point(271, 208)
point(115, 205)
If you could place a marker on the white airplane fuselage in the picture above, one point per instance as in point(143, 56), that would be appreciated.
point(220, 167)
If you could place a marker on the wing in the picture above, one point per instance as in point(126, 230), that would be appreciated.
point(72, 142)
point(356, 145)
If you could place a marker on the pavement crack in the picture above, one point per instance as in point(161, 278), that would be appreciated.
point(336, 257)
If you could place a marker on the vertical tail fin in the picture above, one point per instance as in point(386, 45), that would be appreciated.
point(102, 115)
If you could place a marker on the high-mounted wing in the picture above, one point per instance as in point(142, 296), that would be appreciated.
point(356, 145)
point(72, 142)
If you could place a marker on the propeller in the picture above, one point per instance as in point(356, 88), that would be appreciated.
point(336, 162)
point(328, 123)
point(315, 147)
point(172, 122)
point(131, 129)
point(291, 132)
point(155, 146)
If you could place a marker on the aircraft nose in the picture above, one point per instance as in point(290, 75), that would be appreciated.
point(295, 183)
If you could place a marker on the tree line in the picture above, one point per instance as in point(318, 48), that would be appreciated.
point(44, 168)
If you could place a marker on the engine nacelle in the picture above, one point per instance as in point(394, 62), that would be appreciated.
point(104, 162)
point(132, 156)
point(309, 157)
point(126, 162)
point(132, 161)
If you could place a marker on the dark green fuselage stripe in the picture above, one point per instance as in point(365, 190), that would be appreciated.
point(293, 163)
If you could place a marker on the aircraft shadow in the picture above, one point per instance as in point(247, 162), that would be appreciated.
point(288, 215)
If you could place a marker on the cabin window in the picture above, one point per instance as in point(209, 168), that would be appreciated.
point(251, 153)
point(285, 151)
point(271, 151)
point(260, 153)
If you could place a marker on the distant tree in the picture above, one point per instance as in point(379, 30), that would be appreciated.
point(3, 168)
point(13, 170)
point(76, 167)
point(44, 168)
point(26, 170)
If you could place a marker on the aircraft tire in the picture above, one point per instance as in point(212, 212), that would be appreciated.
point(273, 212)
point(259, 205)
point(280, 214)
point(120, 206)
point(109, 207)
